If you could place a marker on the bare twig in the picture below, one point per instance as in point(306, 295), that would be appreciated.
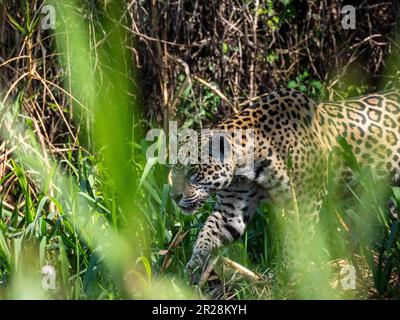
point(240, 269)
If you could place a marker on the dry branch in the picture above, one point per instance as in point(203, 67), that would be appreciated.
point(241, 269)
point(232, 265)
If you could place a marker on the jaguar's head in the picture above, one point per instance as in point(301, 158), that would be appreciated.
point(192, 184)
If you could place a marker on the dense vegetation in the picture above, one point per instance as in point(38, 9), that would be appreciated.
point(76, 190)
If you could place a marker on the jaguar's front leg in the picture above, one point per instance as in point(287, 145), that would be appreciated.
point(211, 237)
point(234, 208)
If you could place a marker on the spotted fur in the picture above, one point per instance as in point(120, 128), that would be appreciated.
point(293, 137)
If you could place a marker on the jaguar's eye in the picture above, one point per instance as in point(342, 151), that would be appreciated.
point(191, 173)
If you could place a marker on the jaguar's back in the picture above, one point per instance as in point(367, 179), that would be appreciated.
point(370, 125)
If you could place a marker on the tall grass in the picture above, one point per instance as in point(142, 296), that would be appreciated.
point(89, 218)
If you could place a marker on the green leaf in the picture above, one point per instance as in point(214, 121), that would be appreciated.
point(316, 84)
point(149, 164)
point(224, 48)
point(63, 261)
point(42, 251)
point(5, 252)
point(16, 25)
point(303, 88)
point(393, 231)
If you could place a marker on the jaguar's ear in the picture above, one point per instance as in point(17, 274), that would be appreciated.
point(220, 148)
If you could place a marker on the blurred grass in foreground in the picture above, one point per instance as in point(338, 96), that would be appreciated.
point(90, 226)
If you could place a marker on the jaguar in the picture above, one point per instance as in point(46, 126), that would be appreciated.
point(292, 137)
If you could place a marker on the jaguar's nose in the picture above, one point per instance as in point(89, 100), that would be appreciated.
point(176, 197)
